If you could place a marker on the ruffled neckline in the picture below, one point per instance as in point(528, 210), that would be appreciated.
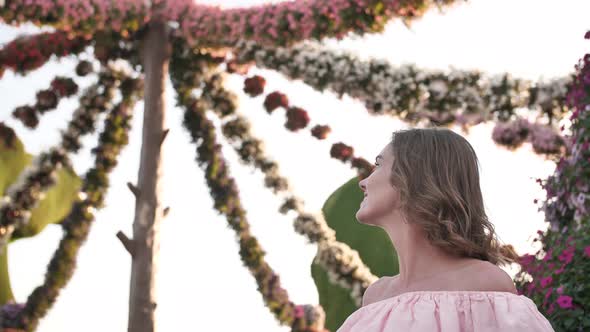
point(442, 292)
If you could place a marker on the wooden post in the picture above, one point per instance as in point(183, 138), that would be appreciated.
point(148, 208)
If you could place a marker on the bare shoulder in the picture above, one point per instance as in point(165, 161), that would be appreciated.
point(375, 291)
point(489, 277)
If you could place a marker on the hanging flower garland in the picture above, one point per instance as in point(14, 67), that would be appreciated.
point(77, 224)
point(24, 194)
point(288, 22)
point(47, 100)
point(82, 16)
point(298, 118)
point(544, 138)
point(344, 266)
point(226, 197)
point(559, 271)
point(28, 53)
point(437, 98)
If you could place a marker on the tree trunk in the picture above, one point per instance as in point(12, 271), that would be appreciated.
point(144, 247)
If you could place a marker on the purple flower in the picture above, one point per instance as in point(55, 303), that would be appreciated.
point(546, 281)
point(564, 301)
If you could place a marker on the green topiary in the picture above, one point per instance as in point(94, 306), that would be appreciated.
point(372, 243)
point(51, 209)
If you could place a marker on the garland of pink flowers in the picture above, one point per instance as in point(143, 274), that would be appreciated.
point(84, 17)
point(343, 265)
point(275, 24)
point(557, 277)
point(544, 138)
point(28, 53)
point(291, 21)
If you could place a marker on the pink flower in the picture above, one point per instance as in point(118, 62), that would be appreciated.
point(526, 259)
point(558, 271)
point(548, 255)
point(559, 290)
point(566, 256)
point(546, 281)
point(587, 251)
point(587, 35)
point(299, 311)
point(564, 301)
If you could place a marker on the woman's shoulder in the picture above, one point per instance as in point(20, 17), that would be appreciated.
point(477, 276)
point(486, 276)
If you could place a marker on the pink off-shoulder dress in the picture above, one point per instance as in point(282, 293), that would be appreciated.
point(449, 311)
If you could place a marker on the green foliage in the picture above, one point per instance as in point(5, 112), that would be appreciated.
point(52, 209)
point(372, 243)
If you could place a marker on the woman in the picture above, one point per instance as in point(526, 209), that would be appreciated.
point(425, 193)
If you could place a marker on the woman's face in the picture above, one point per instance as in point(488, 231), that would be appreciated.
point(381, 198)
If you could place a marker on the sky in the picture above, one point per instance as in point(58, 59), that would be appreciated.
point(201, 280)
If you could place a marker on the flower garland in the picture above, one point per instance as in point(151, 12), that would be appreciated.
point(29, 189)
point(226, 196)
point(47, 100)
point(298, 118)
point(437, 98)
point(344, 265)
point(77, 224)
point(288, 22)
point(556, 277)
point(28, 53)
point(545, 139)
point(85, 16)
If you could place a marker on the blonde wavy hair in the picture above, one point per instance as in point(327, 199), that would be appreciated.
point(437, 175)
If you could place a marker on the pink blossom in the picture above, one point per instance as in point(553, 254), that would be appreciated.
point(587, 251)
point(546, 281)
point(566, 256)
point(564, 301)
point(560, 270)
point(299, 311)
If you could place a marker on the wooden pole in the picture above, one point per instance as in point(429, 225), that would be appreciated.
point(149, 213)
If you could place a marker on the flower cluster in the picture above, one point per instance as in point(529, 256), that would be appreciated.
point(48, 99)
point(9, 313)
point(556, 277)
point(24, 194)
point(288, 22)
point(76, 225)
point(544, 138)
point(82, 16)
point(254, 86)
point(30, 52)
point(345, 154)
point(415, 95)
point(275, 100)
point(320, 132)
